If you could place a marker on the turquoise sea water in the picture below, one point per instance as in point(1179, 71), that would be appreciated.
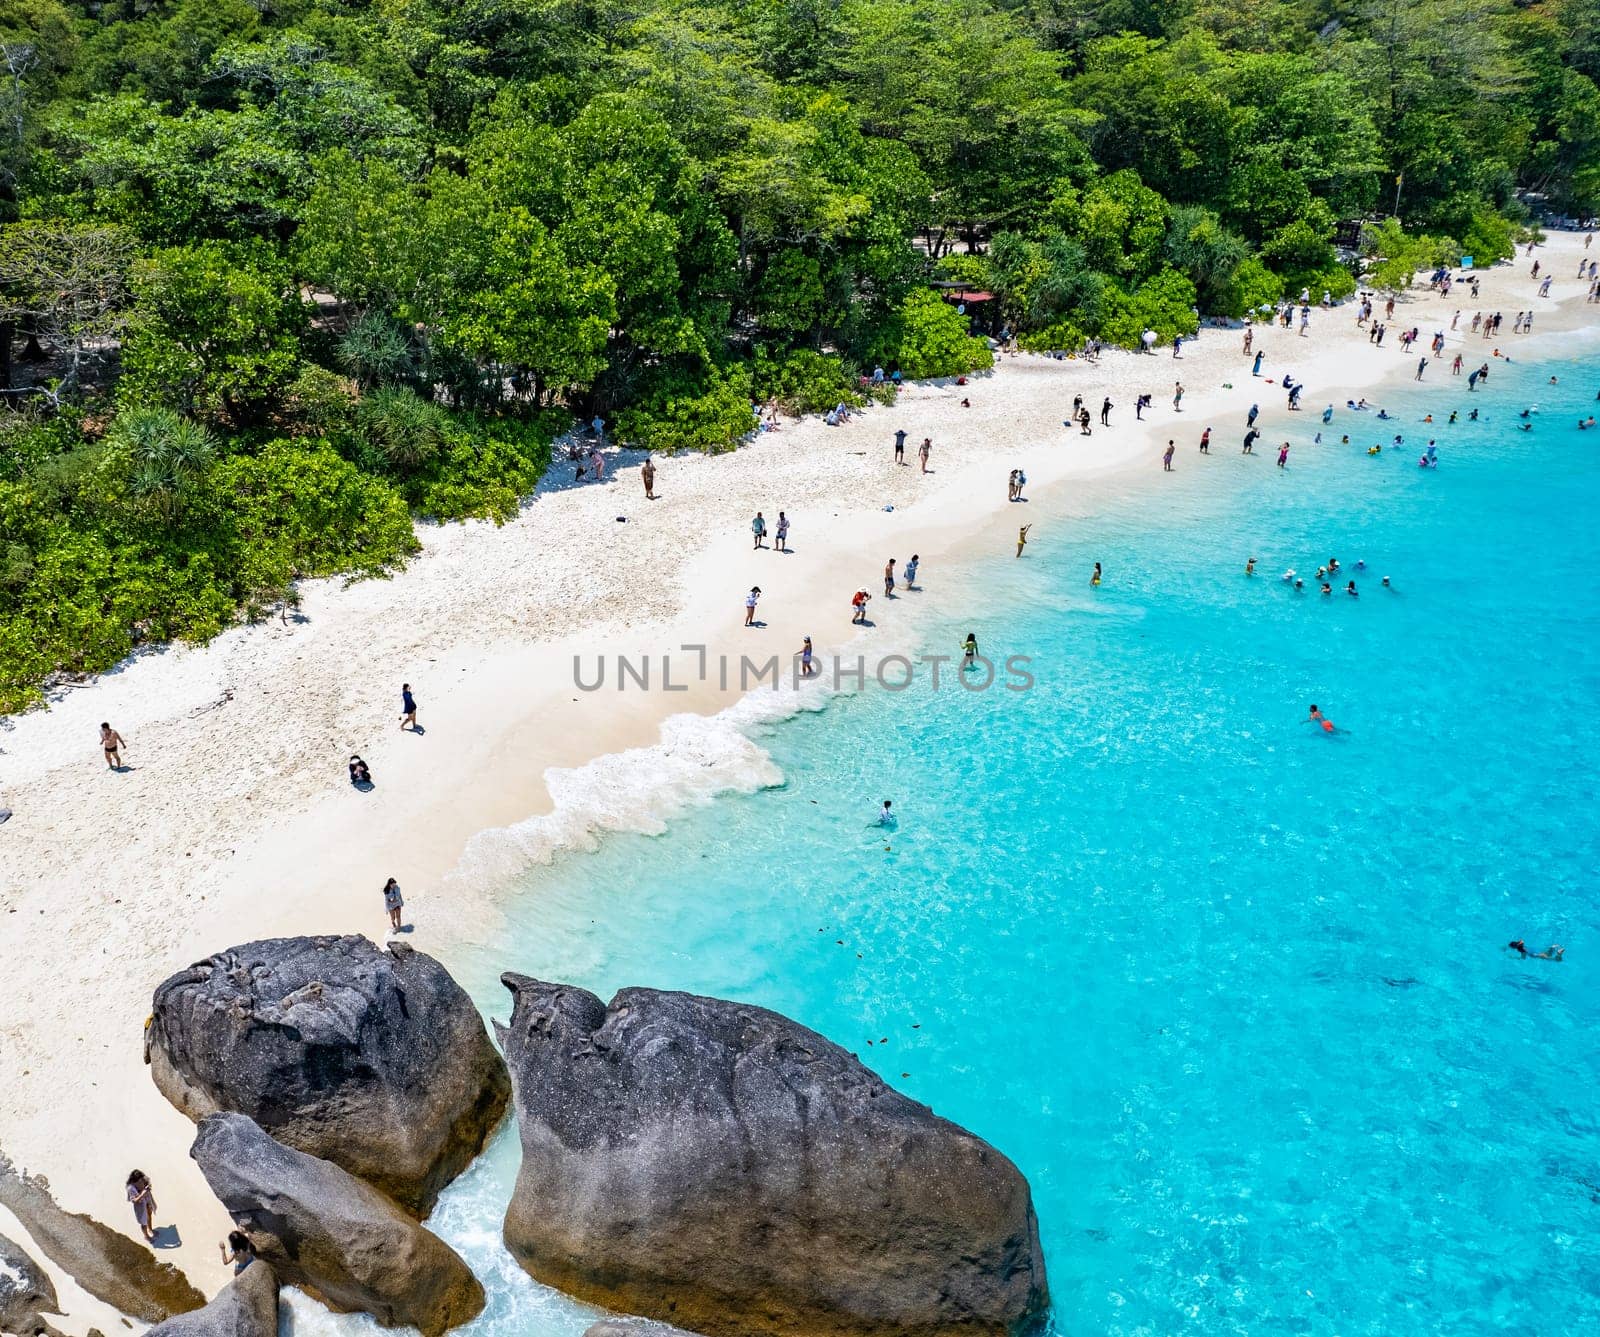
point(1232, 993)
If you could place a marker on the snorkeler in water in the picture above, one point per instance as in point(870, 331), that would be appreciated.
point(1554, 952)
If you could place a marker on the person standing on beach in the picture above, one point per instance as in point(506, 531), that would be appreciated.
point(1166, 459)
point(143, 1197)
point(858, 606)
point(781, 542)
point(408, 707)
point(900, 446)
point(1177, 397)
point(910, 572)
point(807, 668)
point(1249, 338)
point(1422, 366)
point(750, 601)
point(392, 902)
point(923, 451)
point(1205, 442)
point(111, 743)
point(1283, 455)
point(1250, 417)
point(1022, 538)
point(1105, 412)
point(758, 527)
point(1256, 369)
point(888, 580)
point(647, 471)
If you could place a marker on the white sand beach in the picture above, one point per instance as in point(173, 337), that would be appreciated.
point(236, 820)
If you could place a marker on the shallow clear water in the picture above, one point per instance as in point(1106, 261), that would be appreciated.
point(1232, 993)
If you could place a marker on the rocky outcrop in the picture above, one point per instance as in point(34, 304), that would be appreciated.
point(373, 1059)
point(329, 1233)
point(246, 1307)
point(634, 1327)
point(109, 1265)
point(719, 1167)
point(26, 1294)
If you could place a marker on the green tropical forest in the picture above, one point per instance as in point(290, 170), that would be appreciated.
point(278, 277)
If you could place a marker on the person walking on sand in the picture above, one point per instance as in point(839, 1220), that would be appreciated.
point(858, 606)
point(781, 540)
point(807, 668)
point(1022, 538)
point(1177, 397)
point(408, 707)
point(900, 446)
point(910, 572)
point(750, 601)
point(1105, 411)
point(923, 451)
point(1250, 417)
point(1166, 459)
point(888, 580)
point(143, 1197)
point(392, 901)
point(1205, 442)
point(647, 471)
point(111, 743)
point(1422, 366)
point(758, 527)
point(1255, 370)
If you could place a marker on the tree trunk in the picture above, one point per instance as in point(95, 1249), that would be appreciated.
point(5, 354)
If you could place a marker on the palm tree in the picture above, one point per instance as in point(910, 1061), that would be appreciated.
point(169, 454)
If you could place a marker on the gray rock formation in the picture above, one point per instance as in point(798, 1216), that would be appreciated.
point(375, 1060)
point(634, 1327)
point(717, 1166)
point(26, 1294)
point(246, 1307)
point(109, 1265)
point(329, 1233)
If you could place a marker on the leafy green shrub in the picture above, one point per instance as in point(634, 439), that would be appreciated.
point(711, 413)
point(1064, 336)
point(805, 382)
point(1489, 237)
point(1163, 303)
point(485, 473)
point(399, 430)
point(929, 338)
point(1249, 286)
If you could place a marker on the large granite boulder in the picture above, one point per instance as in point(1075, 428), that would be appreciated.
point(108, 1264)
point(719, 1167)
point(375, 1060)
point(329, 1233)
point(26, 1293)
point(246, 1307)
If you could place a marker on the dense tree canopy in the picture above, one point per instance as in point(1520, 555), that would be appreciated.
point(270, 271)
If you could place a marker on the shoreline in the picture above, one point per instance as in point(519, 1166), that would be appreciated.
point(238, 823)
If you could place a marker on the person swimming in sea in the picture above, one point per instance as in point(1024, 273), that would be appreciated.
point(1326, 588)
point(1473, 416)
point(1386, 584)
point(1554, 952)
point(1318, 718)
point(1350, 589)
point(1250, 567)
point(1454, 417)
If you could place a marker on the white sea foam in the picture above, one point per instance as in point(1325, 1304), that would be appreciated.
point(698, 759)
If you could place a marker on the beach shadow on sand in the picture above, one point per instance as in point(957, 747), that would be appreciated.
point(165, 1237)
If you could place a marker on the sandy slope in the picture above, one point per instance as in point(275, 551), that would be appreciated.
point(236, 820)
